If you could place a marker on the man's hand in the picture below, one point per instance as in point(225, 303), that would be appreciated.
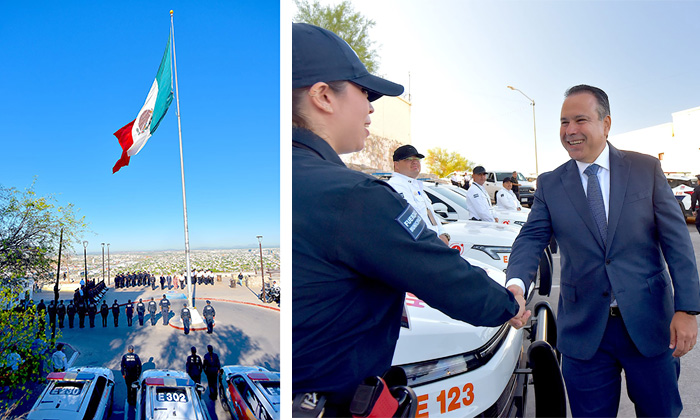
point(519, 320)
point(684, 333)
point(444, 239)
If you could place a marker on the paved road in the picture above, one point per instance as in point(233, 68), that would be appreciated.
point(689, 381)
point(246, 332)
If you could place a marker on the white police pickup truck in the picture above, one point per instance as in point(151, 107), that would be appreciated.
point(459, 370)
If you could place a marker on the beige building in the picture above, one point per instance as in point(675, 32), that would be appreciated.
point(676, 144)
point(390, 128)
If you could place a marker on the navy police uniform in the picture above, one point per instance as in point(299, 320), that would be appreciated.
point(357, 247)
point(152, 308)
point(131, 370)
point(129, 310)
point(141, 311)
point(209, 313)
point(165, 309)
point(186, 319)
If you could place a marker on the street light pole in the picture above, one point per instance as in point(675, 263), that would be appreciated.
point(534, 127)
point(108, 273)
point(103, 261)
point(85, 244)
point(262, 271)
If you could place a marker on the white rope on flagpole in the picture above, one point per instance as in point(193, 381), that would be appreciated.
point(182, 171)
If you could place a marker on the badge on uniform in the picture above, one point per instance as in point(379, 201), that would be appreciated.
point(476, 195)
point(410, 220)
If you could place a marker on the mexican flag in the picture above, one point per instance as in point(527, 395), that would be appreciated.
point(133, 136)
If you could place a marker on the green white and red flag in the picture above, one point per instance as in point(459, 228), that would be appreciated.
point(133, 136)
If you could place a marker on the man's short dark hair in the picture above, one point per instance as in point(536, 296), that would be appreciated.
point(600, 96)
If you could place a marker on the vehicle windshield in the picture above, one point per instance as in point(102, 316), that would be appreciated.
point(451, 195)
point(501, 175)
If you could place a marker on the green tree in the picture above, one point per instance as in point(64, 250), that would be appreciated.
point(30, 228)
point(22, 339)
point(442, 163)
point(346, 23)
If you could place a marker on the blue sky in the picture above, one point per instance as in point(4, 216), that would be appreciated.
point(462, 54)
point(73, 73)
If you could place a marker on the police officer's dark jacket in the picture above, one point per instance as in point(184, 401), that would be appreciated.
point(357, 247)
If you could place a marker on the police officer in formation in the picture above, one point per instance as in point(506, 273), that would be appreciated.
point(211, 369)
point(208, 312)
point(194, 366)
point(162, 282)
point(104, 311)
point(129, 310)
point(82, 311)
point(165, 309)
point(152, 309)
point(70, 310)
point(140, 311)
point(61, 312)
point(115, 313)
point(131, 370)
point(52, 313)
point(92, 311)
point(186, 318)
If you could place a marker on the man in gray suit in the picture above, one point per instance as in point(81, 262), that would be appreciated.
point(618, 226)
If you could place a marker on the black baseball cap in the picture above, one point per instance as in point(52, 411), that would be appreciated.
point(507, 179)
point(406, 151)
point(319, 55)
point(479, 170)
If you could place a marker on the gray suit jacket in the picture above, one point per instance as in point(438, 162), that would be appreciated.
point(646, 231)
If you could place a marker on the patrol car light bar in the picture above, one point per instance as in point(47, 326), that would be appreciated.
point(493, 251)
point(70, 376)
point(434, 370)
point(169, 382)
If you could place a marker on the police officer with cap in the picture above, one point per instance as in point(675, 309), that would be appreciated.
point(354, 239)
point(478, 200)
point(152, 308)
point(208, 312)
point(194, 366)
point(506, 198)
point(165, 309)
point(104, 311)
point(186, 318)
point(141, 311)
point(131, 370)
point(129, 311)
point(70, 310)
point(61, 313)
point(115, 313)
point(403, 181)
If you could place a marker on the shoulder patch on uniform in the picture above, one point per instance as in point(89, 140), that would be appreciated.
point(410, 220)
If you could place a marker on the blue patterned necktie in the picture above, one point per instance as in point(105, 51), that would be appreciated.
point(595, 201)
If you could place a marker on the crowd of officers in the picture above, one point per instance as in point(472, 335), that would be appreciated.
point(87, 308)
point(144, 278)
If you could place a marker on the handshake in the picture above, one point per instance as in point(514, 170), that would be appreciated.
point(519, 320)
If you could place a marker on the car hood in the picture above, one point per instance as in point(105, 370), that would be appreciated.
point(481, 233)
point(433, 335)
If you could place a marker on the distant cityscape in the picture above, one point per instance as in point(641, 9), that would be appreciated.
point(170, 262)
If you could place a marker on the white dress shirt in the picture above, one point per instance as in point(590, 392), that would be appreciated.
point(603, 161)
point(479, 203)
point(412, 191)
point(507, 200)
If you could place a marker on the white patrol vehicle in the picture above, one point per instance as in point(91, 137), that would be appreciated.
point(459, 370)
point(494, 182)
point(166, 394)
point(79, 393)
point(250, 392)
point(682, 188)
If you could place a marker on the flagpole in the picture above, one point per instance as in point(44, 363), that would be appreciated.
point(182, 171)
